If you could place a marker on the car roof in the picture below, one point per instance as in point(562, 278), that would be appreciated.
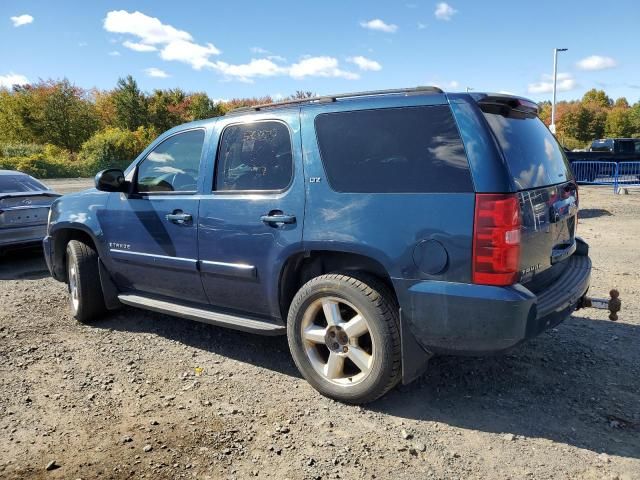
point(13, 172)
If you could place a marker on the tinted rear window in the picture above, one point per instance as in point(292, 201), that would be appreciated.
point(19, 183)
point(533, 155)
point(394, 150)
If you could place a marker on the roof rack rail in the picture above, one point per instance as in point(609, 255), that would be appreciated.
point(334, 98)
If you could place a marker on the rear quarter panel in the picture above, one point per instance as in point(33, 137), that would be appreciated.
point(384, 226)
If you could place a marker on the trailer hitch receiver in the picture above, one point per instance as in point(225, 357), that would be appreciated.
point(613, 304)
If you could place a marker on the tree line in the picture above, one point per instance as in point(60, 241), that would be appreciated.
point(595, 115)
point(55, 128)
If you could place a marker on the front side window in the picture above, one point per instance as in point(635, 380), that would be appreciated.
point(254, 156)
point(173, 165)
point(393, 150)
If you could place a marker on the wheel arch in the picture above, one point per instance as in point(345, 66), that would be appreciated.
point(61, 237)
point(301, 267)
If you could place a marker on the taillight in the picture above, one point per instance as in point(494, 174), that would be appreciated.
point(496, 239)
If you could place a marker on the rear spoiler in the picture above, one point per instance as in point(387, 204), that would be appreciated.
point(506, 105)
point(29, 194)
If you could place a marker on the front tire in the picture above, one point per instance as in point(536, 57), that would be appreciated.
point(83, 279)
point(344, 337)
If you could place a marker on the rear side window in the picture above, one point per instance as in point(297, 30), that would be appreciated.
point(394, 150)
point(254, 156)
point(533, 155)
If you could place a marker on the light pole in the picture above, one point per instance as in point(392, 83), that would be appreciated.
point(552, 127)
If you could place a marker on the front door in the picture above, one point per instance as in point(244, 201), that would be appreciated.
point(152, 233)
point(252, 219)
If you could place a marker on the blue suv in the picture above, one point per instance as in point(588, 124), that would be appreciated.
point(374, 229)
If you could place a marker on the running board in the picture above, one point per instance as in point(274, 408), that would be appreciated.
point(202, 315)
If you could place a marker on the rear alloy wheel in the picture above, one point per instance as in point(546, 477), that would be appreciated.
point(83, 279)
point(344, 338)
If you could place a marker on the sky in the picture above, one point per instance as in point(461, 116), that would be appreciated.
point(247, 48)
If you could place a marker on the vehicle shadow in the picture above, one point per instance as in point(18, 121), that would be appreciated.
point(270, 352)
point(578, 384)
point(594, 213)
point(23, 264)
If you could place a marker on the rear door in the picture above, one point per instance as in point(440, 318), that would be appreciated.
point(546, 192)
point(251, 220)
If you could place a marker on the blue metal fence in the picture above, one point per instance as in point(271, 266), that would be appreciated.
point(625, 174)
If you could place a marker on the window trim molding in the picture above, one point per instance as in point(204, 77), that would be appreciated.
point(169, 192)
point(214, 191)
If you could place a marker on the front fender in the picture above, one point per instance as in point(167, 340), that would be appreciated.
point(75, 215)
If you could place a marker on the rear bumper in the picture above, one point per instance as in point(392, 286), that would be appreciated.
point(466, 319)
point(17, 236)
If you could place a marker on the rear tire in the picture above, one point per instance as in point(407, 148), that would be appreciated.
point(83, 279)
point(344, 337)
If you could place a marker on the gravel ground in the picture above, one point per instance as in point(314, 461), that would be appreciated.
point(144, 395)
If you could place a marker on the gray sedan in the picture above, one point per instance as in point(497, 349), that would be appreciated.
point(24, 208)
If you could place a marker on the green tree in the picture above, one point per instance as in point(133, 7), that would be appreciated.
point(69, 118)
point(200, 106)
point(597, 97)
point(131, 105)
point(167, 108)
point(621, 103)
point(619, 123)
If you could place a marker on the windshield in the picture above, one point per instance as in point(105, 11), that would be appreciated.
point(19, 184)
point(533, 155)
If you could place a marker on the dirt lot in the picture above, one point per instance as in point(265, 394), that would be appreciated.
point(121, 398)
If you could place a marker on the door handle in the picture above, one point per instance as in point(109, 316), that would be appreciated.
point(278, 218)
point(179, 217)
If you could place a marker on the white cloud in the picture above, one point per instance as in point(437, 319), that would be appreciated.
point(138, 47)
point(421, 26)
point(444, 11)
point(149, 29)
point(21, 20)
point(150, 34)
point(82, 44)
point(175, 44)
point(188, 52)
point(365, 64)
point(246, 72)
point(379, 25)
point(596, 62)
point(564, 83)
point(319, 67)
point(11, 79)
point(156, 72)
point(259, 50)
point(114, 53)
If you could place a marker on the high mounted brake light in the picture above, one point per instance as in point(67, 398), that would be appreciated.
point(496, 239)
point(508, 106)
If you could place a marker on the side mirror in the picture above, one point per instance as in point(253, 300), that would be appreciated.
point(111, 180)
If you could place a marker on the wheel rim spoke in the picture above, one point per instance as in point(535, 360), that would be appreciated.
point(315, 334)
point(335, 365)
point(332, 312)
point(356, 327)
point(360, 358)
